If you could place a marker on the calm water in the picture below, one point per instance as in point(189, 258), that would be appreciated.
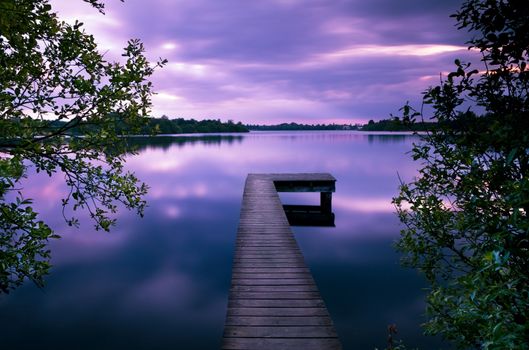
point(162, 282)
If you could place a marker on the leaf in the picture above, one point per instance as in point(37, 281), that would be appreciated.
point(511, 156)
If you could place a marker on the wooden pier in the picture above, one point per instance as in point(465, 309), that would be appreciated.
point(274, 302)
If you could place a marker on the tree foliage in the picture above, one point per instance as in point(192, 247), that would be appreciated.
point(165, 125)
point(466, 214)
point(395, 124)
point(53, 80)
point(296, 126)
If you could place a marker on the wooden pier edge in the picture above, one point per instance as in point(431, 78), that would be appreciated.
point(274, 302)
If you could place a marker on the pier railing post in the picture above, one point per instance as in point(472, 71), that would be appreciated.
point(326, 202)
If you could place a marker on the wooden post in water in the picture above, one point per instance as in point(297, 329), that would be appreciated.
point(326, 202)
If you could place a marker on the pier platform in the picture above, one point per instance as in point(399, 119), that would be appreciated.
point(274, 302)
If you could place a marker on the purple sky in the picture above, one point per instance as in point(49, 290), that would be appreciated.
point(272, 61)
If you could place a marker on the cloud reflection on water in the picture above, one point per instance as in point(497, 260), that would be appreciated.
point(164, 280)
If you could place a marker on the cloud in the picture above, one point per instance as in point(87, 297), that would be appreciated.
point(289, 60)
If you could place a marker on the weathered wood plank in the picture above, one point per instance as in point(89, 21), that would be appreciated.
point(279, 332)
point(278, 321)
point(268, 252)
point(262, 275)
point(276, 251)
point(293, 288)
point(270, 270)
point(275, 295)
point(275, 303)
point(278, 247)
point(272, 282)
point(281, 344)
point(269, 236)
point(247, 263)
point(269, 260)
point(286, 311)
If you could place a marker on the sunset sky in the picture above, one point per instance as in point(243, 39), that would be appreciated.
point(273, 61)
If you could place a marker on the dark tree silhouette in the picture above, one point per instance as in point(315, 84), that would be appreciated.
point(466, 215)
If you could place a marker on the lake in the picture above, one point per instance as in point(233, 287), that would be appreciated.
point(162, 282)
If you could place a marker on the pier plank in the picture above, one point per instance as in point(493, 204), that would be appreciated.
point(278, 321)
point(281, 343)
point(279, 332)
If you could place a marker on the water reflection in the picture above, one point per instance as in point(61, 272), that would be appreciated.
point(162, 282)
point(140, 143)
point(389, 138)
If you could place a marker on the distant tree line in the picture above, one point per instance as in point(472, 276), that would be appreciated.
point(396, 124)
point(296, 126)
point(393, 124)
point(164, 125)
point(153, 126)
